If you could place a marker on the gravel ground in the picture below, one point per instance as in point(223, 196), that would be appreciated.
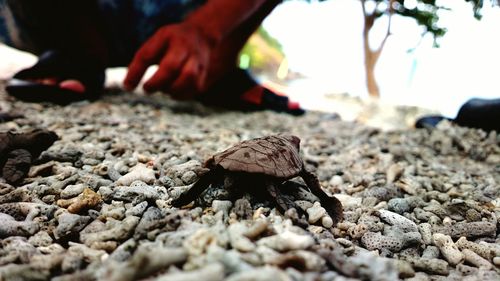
point(418, 204)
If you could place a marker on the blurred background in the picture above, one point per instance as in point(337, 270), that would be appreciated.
point(417, 53)
point(322, 43)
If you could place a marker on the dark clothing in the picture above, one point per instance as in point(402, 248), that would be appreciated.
point(33, 25)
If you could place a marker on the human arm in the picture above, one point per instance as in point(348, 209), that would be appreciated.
point(182, 51)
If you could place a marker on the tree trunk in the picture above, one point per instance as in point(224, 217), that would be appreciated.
point(372, 56)
point(371, 59)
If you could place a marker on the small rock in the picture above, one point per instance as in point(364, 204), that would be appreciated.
point(152, 219)
point(431, 252)
point(265, 273)
point(71, 191)
point(336, 180)
point(449, 250)
point(468, 229)
point(482, 250)
point(89, 255)
point(398, 221)
point(425, 230)
point(357, 231)
point(243, 209)
point(405, 269)
point(137, 210)
point(301, 260)
point(315, 213)
point(211, 272)
point(115, 210)
point(349, 201)
point(11, 227)
point(287, 241)
point(237, 238)
point(72, 262)
point(472, 215)
point(142, 264)
point(256, 229)
point(394, 172)
point(475, 259)
point(118, 232)
point(138, 173)
point(23, 272)
point(222, 205)
point(326, 221)
point(69, 224)
point(87, 200)
point(432, 266)
point(138, 191)
point(40, 239)
point(189, 177)
point(393, 243)
point(402, 205)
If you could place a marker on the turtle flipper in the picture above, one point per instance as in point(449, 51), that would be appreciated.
point(17, 165)
point(195, 191)
point(284, 203)
point(331, 204)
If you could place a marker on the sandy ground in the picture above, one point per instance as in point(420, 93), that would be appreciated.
point(417, 204)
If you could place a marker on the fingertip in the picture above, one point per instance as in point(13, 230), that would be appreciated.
point(160, 79)
point(127, 86)
point(130, 82)
point(148, 87)
point(136, 70)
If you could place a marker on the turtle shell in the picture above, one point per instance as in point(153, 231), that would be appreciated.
point(276, 156)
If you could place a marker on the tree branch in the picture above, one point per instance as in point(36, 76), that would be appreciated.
point(369, 18)
point(390, 11)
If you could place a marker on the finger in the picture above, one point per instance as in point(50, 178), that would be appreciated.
point(149, 54)
point(202, 78)
point(185, 86)
point(168, 69)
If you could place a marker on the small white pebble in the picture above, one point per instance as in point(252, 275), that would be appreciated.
point(449, 250)
point(496, 261)
point(222, 205)
point(447, 221)
point(316, 212)
point(138, 172)
point(327, 222)
point(394, 172)
point(336, 180)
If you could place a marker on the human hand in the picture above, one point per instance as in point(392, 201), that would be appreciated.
point(182, 53)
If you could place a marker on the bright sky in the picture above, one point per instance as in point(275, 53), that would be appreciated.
point(323, 41)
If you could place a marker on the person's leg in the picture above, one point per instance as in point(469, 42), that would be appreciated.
point(480, 113)
point(475, 113)
point(73, 51)
point(11, 33)
point(69, 26)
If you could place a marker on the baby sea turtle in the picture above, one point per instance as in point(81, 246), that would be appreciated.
point(18, 150)
point(263, 162)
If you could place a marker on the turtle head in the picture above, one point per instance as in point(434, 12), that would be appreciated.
point(39, 140)
point(44, 138)
point(294, 140)
point(210, 163)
